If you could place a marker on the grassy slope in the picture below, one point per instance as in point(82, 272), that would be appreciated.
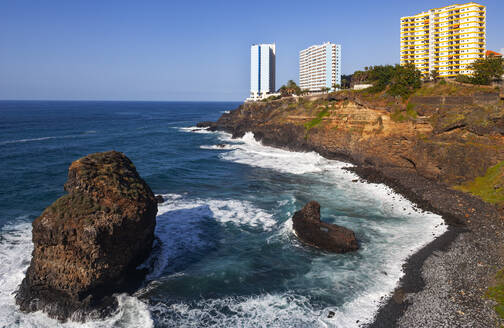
point(489, 187)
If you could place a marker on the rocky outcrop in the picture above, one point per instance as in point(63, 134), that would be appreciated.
point(88, 243)
point(328, 237)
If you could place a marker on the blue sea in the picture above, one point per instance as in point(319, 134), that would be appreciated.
point(225, 255)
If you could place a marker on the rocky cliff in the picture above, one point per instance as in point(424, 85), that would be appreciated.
point(449, 135)
point(88, 243)
point(443, 149)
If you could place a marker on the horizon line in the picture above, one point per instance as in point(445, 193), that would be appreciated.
point(117, 100)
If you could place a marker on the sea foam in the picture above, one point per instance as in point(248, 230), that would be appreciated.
point(181, 227)
point(391, 241)
point(15, 255)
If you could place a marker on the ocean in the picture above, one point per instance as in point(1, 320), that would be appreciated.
point(225, 254)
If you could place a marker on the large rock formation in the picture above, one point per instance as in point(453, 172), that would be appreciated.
point(88, 243)
point(329, 237)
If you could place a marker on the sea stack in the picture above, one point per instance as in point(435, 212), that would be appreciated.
point(328, 237)
point(88, 243)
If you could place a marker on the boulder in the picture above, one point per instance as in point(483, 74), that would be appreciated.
point(159, 199)
point(88, 243)
point(328, 237)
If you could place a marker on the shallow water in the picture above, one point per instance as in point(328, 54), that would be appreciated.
point(226, 254)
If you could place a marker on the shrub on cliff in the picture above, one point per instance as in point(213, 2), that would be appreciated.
point(487, 70)
point(397, 80)
point(290, 88)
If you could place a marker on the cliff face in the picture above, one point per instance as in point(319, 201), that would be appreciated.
point(447, 139)
point(88, 243)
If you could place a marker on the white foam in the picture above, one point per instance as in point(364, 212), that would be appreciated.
point(393, 243)
point(179, 226)
point(46, 138)
point(251, 152)
point(219, 147)
point(238, 212)
point(15, 256)
point(267, 310)
point(25, 140)
point(194, 129)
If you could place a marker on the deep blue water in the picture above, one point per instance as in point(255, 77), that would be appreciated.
point(226, 254)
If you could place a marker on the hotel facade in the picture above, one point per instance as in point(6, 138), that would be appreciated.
point(447, 39)
point(320, 67)
point(262, 71)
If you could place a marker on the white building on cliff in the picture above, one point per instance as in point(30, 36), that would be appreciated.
point(262, 71)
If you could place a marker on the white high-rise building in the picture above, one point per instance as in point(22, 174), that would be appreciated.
point(320, 67)
point(262, 71)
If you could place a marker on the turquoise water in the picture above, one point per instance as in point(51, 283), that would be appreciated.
point(225, 253)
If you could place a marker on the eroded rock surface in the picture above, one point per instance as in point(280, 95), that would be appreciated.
point(88, 243)
point(329, 237)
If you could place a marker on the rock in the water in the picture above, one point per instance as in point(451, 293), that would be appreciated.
point(159, 199)
point(88, 243)
point(329, 237)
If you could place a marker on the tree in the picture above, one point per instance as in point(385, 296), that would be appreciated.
point(487, 70)
point(405, 80)
point(325, 89)
point(345, 81)
point(289, 89)
point(434, 75)
point(397, 80)
point(360, 77)
point(336, 86)
point(463, 78)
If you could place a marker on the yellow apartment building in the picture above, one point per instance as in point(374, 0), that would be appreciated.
point(446, 39)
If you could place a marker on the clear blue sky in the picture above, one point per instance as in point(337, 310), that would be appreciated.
point(188, 50)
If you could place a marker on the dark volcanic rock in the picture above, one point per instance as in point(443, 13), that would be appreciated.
point(207, 124)
point(159, 199)
point(329, 237)
point(88, 243)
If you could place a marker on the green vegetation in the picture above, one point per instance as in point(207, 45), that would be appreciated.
point(290, 88)
point(402, 116)
point(292, 105)
point(396, 80)
point(74, 206)
point(398, 116)
point(486, 71)
point(271, 98)
point(345, 81)
point(443, 88)
point(496, 293)
point(489, 187)
point(434, 75)
point(317, 120)
point(410, 110)
point(307, 104)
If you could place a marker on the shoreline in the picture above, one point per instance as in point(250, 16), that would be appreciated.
point(459, 296)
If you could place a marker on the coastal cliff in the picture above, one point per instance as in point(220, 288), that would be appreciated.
point(88, 243)
point(443, 148)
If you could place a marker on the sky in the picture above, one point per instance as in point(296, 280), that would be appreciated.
point(189, 50)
